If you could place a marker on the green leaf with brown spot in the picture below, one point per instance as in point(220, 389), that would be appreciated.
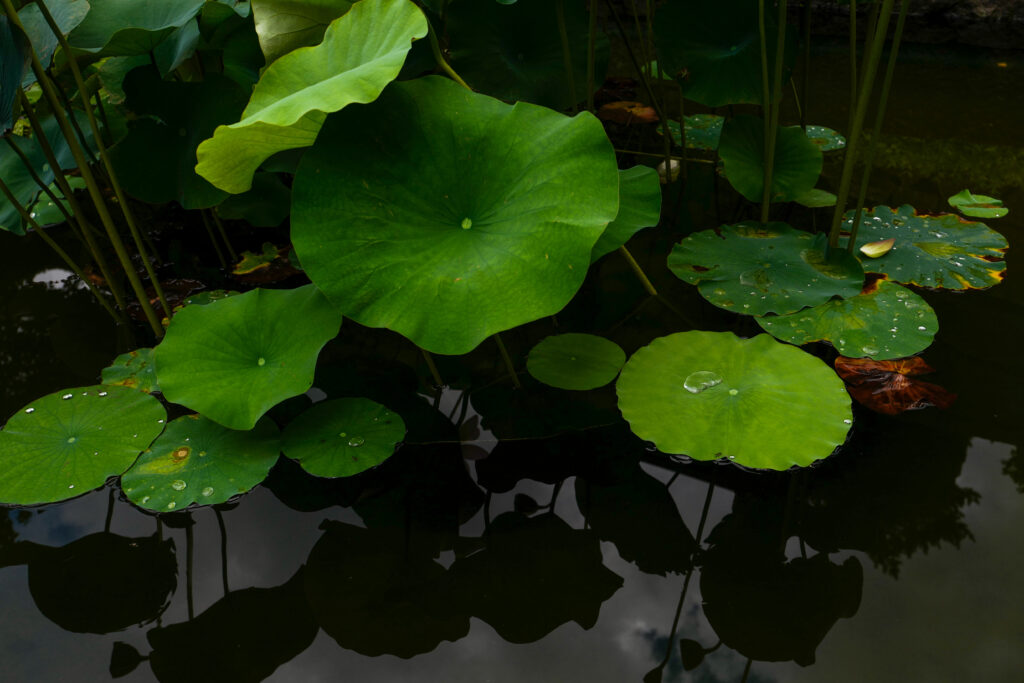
point(134, 369)
point(252, 261)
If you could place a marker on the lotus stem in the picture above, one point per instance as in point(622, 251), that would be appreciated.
point(638, 271)
point(435, 47)
point(853, 63)
point(224, 235)
point(189, 562)
point(566, 53)
point(42, 185)
point(223, 550)
point(438, 382)
point(213, 239)
point(805, 79)
point(591, 56)
point(765, 106)
point(773, 125)
point(508, 361)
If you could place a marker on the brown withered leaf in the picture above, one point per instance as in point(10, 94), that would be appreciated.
point(627, 113)
point(888, 387)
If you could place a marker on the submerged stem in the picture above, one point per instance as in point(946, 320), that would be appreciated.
point(640, 274)
point(508, 361)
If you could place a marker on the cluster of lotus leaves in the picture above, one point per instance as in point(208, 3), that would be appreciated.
point(448, 216)
point(756, 402)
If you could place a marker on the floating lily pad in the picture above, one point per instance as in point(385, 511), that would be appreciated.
point(362, 51)
point(978, 205)
point(252, 261)
point(639, 208)
point(884, 321)
point(235, 358)
point(447, 216)
point(943, 251)
point(134, 370)
point(343, 437)
point(130, 27)
point(197, 461)
point(702, 131)
point(816, 199)
point(575, 361)
point(759, 269)
point(69, 442)
point(284, 25)
point(797, 160)
point(826, 139)
point(754, 401)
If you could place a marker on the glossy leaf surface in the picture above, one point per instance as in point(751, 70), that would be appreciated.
point(639, 208)
point(889, 387)
point(826, 139)
point(134, 370)
point(575, 361)
point(129, 27)
point(797, 160)
point(978, 205)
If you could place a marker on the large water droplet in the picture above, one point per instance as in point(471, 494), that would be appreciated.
point(102, 393)
point(701, 380)
point(208, 491)
point(145, 499)
point(72, 439)
point(71, 486)
point(356, 441)
point(733, 392)
point(178, 485)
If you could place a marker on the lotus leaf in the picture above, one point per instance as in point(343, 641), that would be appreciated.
point(362, 52)
point(343, 437)
point(284, 25)
point(14, 60)
point(639, 208)
point(156, 161)
point(497, 229)
point(759, 269)
point(45, 210)
point(66, 13)
point(575, 361)
point(826, 139)
point(179, 46)
point(197, 461)
point(134, 370)
point(234, 358)
point(754, 401)
point(816, 199)
point(702, 131)
point(130, 27)
point(69, 442)
point(978, 205)
point(266, 205)
point(514, 52)
point(252, 261)
point(797, 160)
point(944, 251)
point(886, 320)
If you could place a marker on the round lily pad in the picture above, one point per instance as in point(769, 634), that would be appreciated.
point(134, 370)
point(702, 131)
point(944, 251)
point(978, 205)
point(797, 160)
point(825, 139)
point(575, 361)
point(754, 401)
point(71, 441)
point(885, 321)
point(639, 208)
point(197, 461)
point(756, 268)
point(343, 437)
point(448, 216)
point(235, 358)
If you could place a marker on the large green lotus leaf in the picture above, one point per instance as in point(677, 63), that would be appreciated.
point(943, 251)
point(362, 52)
point(885, 321)
point(343, 437)
point(133, 369)
point(130, 27)
point(978, 205)
point(757, 269)
point(70, 442)
point(575, 361)
point(797, 160)
point(156, 161)
point(754, 401)
point(714, 49)
point(235, 358)
point(66, 13)
point(197, 461)
point(284, 25)
point(514, 52)
point(447, 216)
point(639, 208)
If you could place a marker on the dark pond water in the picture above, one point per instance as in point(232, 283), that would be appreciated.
point(895, 560)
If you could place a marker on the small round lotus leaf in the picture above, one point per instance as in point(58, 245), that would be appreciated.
point(702, 131)
point(797, 160)
point(826, 139)
point(343, 437)
point(757, 269)
point(885, 321)
point(69, 442)
point(978, 205)
point(235, 358)
point(754, 401)
point(448, 216)
point(639, 208)
point(134, 370)
point(944, 251)
point(575, 361)
point(197, 461)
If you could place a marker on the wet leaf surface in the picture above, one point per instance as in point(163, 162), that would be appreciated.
point(889, 387)
point(978, 205)
point(133, 370)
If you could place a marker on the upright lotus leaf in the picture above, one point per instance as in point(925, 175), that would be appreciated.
point(797, 160)
point(944, 251)
point(757, 269)
point(197, 461)
point(496, 230)
point(156, 161)
point(754, 401)
point(68, 443)
point(978, 205)
point(343, 437)
point(284, 25)
point(886, 320)
point(130, 27)
point(515, 52)
point(134, 370)
point(66, 13)
point(826, 139)
point(575, 361)
point(14, 60)
point(714, 49)
point(178, 47)
point(362, 52)
point(639, 208)
point(235, 358)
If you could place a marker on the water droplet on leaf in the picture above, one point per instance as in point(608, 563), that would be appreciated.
point(178, 485)
point(356, 441)
point(698, 381)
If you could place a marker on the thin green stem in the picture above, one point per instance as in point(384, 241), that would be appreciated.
point(638, 271)
point(438, 382)
point(765, 108)
point(213, 239)
point(853, 62)
point(591, 52)
point(224, 235)
point(508, 361)
point(566, 53)
point(435, 47)
point(773, 126)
